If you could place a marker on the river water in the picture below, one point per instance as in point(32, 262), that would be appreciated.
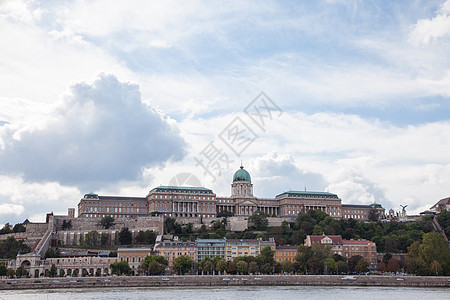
point(233, 293)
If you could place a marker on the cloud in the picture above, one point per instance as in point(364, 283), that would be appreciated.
point(273, 174)
point(429, 30)
point(11, 209)
point(101, 133)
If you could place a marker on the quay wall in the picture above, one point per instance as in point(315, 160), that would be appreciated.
point(218, 280)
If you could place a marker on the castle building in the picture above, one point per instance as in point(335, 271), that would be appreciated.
point(241, 247)
point(346, 248)
point(171, 250)
point(196, 202)
point(285, 253)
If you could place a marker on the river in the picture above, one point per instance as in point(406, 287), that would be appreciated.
point(232, 293)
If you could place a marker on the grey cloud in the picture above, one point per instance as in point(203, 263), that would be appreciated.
point(275, 174)
point(102, 134)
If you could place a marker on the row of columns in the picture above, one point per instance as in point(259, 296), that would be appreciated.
point(270, 210)
point(185, 206)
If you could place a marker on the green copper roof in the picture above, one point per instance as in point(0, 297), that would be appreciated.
point(182, 188)
point(306, 193)
point(242, 175)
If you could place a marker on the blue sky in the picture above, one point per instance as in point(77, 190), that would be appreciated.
point(118, 98)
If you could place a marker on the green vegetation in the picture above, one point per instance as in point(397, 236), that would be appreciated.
point(52, 253)
point(53, 271)
point(10, 247)
point(146, 237)
point(3, 269)
point(429, 257)
point(125, 237)
point(443, 219)
point(106, 222)
point(259, 220)
point(120, 268)
point(183, 264)
point(66, 225)
point(7, 228)
point(154, 265)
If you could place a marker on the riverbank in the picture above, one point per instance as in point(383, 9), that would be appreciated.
point(225, 280)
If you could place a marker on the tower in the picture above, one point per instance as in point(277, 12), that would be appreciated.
point(242, 184)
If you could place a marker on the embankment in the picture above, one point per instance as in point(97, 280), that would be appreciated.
point(225, 280)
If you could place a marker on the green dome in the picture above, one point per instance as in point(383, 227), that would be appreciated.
point(242, 175)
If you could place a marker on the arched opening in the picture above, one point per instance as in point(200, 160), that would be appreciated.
point(36, 273)
point(62, 273)
point(69, 272)
point(91, 272)
point(98, 272)
point(84, 272)
point(75, 273)
point(25, 264)
point(105, 271)
point(47, 273)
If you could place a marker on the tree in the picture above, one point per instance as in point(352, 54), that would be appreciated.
point(225, 214)
point(52, 253)
point(391, 245)
point(221, 265)
point(104, 238)
point(10, 247)
point(125, 237)
point(154, 264)
point(146, 237)
point(330, 265)
point(53, 271)
point(242, 267)
point(169, 225)
point(253, 267)
point(206, 265)
point(304, 253)
point(393, 265)
point(231, 267)
point(362, 266)
point(266, 256)
point(6, 229)
point(373, 215)
point(341, 267)
point(287, 267)
point(387, 257)
point(434, 248)
point(10, 273)
point(259, 220)
point(182, 264)
point(2, 269)
point(120, 268)
point(321, 251)
point(315, 265)
point(19, 228)
point(66, 225)
point(436, 268)
point(106, 222)
point(92, 238)
point(21, 272)
point(353, 261)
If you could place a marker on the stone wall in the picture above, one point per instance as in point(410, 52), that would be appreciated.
point(261, 280)
point(237, 223)
point(88, 224)
point(81, 226)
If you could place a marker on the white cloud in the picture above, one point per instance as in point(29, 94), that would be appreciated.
point(11, 209)
point(35, 197)
point(429, 30)
point(101, 133)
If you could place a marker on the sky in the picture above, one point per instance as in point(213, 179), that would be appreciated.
point(119, 97)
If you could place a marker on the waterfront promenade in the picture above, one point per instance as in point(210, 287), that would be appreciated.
point(225, 280)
